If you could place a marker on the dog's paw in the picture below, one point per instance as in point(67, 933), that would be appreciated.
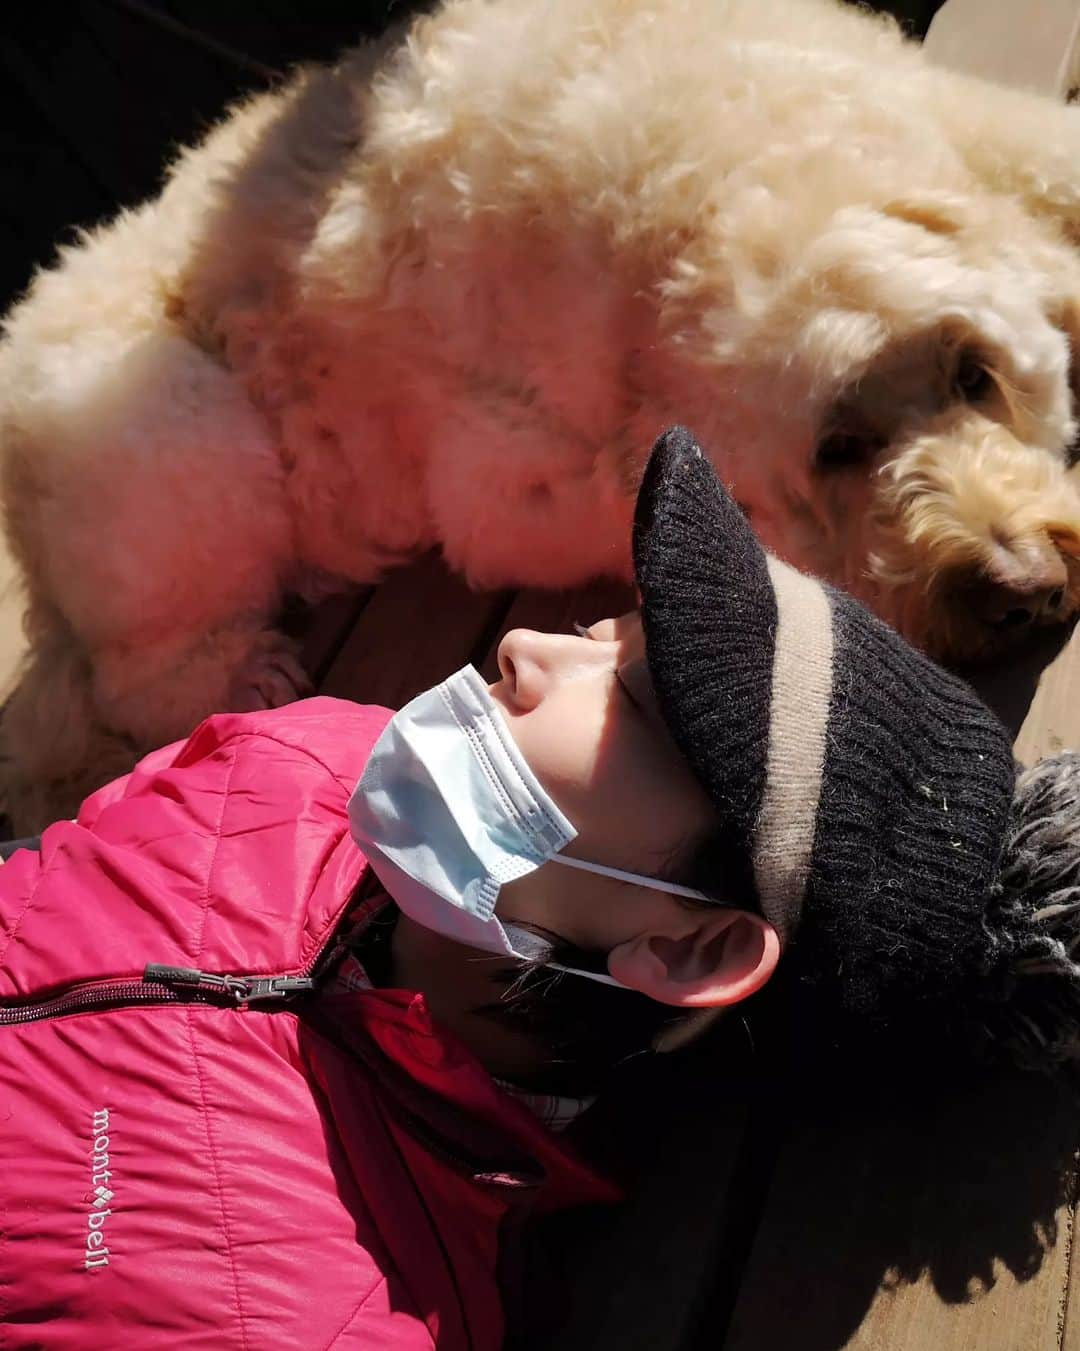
point(270, 677)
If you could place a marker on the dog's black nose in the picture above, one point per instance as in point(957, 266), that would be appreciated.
point(1024, 582)
point(1013, 619)
point(1008, 607)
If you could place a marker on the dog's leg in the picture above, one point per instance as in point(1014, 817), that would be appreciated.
point(159, 691)
point(145, 502)
point(53, 750)
point(74, 722)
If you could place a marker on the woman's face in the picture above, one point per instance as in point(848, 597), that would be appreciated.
point(582, 711)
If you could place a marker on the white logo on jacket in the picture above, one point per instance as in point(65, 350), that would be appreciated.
point(97, 1254)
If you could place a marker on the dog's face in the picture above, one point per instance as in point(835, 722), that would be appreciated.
point(938, 342)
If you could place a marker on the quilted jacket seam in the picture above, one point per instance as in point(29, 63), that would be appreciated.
point(313, 942)
point(364, 1301)
point(27, 906)
point(244, 734)
point(219, 1182)
point(214, 854)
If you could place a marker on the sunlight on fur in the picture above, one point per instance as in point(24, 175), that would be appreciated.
point(445, 296)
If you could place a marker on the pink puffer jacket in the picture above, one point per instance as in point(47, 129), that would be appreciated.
point(195, 1162)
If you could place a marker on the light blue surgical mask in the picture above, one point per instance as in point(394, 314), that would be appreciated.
point(447, 812)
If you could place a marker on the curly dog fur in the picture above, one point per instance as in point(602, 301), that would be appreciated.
point(446, 295)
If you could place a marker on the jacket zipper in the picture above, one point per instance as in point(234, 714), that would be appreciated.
point(85, 998)
point(159, 985)
point(163, 984)
point(237, 989)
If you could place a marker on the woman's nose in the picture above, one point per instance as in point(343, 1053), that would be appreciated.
point(524, 665)
point(532, 664)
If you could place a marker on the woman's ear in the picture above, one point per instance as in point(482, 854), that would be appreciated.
point(722, 957)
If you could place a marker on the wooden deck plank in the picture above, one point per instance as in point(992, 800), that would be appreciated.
point(1015, 687)
point(1070, 1319)
point(863, 1249)
point(697, 1131)
point(322, 630)
point(418, 626)
point(633, 1277)
point(1055, 726)
point(1053, 720)
point(936, 1227)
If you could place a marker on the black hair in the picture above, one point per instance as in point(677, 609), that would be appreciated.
point(585, 1027)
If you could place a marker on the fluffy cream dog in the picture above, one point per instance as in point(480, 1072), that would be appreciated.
point(451, 302)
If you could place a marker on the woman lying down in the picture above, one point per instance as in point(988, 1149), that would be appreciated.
point(292, 1011)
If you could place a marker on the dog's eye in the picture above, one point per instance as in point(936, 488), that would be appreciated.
point(972, 380)
point(844, 450)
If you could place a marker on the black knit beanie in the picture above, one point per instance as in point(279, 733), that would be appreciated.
point(864, 791)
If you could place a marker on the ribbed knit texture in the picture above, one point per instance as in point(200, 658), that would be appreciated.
point(915, 796)
point(709, 615)
point(917, 775)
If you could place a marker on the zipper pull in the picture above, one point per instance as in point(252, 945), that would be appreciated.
point(190, 979)
point(244, 989)
point(276, 987)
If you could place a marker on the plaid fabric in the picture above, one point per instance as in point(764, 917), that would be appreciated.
point(555, 1111)
point(350, 977)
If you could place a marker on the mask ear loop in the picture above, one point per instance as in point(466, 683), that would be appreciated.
point(638, 879)
point(601, 977)
point(530, 947)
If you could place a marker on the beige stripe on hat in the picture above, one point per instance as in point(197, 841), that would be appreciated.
point(798, 721)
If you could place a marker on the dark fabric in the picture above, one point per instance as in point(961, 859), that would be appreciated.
point(709, 615)
point(915, 796)
point(918, 773)
point(8, 847)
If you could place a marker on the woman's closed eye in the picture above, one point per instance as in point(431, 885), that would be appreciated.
point(627, 692)
point(636, 683)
